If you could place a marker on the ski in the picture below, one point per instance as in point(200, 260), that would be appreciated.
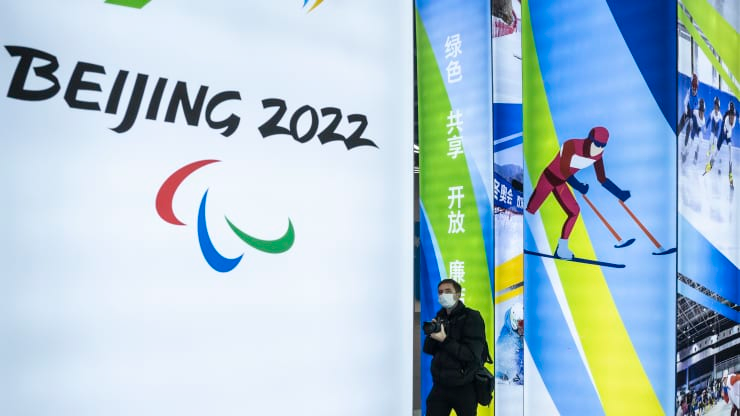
point(661, 251)
point(623, 243)
point(577, 260)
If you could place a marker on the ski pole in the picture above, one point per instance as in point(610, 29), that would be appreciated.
point(620, 242)
point(660, 248)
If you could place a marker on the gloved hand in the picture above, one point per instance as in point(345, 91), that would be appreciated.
point(621, 194)
point(577, 185)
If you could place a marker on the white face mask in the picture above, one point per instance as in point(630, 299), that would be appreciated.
point(447, 300)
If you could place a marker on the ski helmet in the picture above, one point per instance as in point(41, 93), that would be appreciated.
point(701, 105)
point(516, 316)
point(694, 83)
point(599, 135)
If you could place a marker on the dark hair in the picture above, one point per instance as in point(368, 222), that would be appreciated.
point(458, 288)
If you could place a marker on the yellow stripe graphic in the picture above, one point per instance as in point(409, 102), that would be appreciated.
point(509, 273)
point(508, 295)
point(724, 38)
point(707, 52)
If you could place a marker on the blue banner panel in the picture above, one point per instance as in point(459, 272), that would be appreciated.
point(709, 247)
point(600, 192)
point(455, 159)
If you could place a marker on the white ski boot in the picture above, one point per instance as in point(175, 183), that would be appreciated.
point(562, 251)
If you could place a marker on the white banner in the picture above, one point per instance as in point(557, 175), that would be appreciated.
point(207, 208)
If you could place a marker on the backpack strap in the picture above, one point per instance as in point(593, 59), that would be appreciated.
point(486, 355)
point(486, 358)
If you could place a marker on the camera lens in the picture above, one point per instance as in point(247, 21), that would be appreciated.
point(430, 327)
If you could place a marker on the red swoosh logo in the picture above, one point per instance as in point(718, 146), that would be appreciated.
point(167, 191)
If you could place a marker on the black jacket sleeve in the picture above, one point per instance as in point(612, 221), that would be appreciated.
point(430, 345)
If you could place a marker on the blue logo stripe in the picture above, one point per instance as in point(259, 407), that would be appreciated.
point(214, 258)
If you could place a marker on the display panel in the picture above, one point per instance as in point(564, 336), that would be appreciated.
point(708, 314)
point(455, 159)
point(506, 24)
point(207, 207)
point(600, 213)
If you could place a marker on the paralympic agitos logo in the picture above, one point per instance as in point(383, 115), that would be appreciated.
point(315, 4)
point(35, 79)
point(214, 259)
point(138, 4)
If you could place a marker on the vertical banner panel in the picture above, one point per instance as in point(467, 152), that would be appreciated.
point(506, 26)
point(455, 158)
point(600, 213)
point(207, 207)
point(707, 316)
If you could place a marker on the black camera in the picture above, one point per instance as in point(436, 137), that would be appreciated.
point(432, 326)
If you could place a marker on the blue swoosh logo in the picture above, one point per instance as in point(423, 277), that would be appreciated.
point(213, 257)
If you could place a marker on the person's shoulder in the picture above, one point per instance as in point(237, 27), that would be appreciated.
point(469, 310)
point(574, 141)
point(472, 313)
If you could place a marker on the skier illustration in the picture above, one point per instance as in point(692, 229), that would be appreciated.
point(510, 346)
point(574, 155)
point(690, 102)
point(725, 135)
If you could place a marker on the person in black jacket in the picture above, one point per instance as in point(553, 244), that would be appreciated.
point(457, 348)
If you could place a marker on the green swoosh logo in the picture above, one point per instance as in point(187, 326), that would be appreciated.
point(136, 4)
point(280, 245)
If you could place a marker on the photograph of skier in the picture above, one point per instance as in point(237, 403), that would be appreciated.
point(731, 392)
point(510, 347)
point(688, 118)
point(726, 126)
point(715, 118)
point(504, 17)
point(574, 155)
point(696, 131)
